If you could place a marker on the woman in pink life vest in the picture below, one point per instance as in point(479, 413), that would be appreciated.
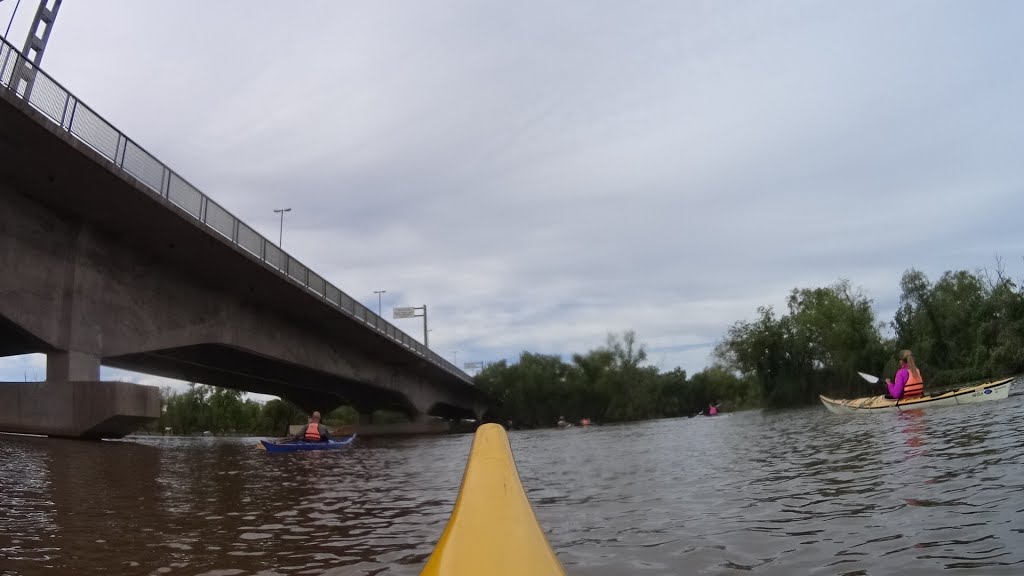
point(909, 383)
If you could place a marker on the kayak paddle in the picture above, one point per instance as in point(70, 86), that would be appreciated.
point(869, 377)
point(281, 441)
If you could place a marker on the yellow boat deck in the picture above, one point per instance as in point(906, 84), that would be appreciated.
point(492, 530)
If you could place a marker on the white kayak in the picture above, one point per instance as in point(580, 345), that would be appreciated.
point(996, 390)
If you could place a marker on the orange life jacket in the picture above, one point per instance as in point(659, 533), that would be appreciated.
point(313, 432)
point(915, 385)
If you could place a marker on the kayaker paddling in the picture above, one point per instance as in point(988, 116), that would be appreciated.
point(909, 383)
point(994, 390)
point(315, 431)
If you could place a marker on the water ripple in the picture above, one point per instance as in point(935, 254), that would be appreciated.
point(795, 492)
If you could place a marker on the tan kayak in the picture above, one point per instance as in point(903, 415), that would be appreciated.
point(996, 390)
point(492, 530)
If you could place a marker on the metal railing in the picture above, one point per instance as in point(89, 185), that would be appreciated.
point(56, 103)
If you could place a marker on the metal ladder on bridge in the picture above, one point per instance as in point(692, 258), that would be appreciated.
point(35, 44)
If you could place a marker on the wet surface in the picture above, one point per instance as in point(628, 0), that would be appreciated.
point(793, 492)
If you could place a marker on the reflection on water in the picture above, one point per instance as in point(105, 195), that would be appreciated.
point(795, 492)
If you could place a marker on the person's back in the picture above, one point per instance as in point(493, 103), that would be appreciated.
point(315, 431)
point(915, 384)
point(908, 383)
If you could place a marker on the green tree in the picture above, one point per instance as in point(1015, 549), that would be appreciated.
point(608, 384)
point(966, 326)
point(828, 336)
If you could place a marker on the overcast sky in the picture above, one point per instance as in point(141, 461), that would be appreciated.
point(543, 173)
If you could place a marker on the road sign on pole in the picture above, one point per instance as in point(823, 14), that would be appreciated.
point(410, 312)
point(405, 312)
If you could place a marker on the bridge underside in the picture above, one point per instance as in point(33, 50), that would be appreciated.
point(14, 340)
point(309, 389)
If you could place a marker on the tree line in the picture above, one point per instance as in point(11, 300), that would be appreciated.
point(203, 408)
point(964, 327)
point(608, 384)
point(222, 411)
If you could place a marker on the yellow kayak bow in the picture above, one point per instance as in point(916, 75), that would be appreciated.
point(492, 530)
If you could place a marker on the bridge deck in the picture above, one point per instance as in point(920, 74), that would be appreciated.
point(131, 192)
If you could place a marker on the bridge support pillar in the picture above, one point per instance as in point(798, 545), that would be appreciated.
point(77, 409)
point(74, 403)
point(72, 366)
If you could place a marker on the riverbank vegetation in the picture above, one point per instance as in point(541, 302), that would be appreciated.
point(963, 327)
point(203, 408)
point(222, 411)
point(609, 384)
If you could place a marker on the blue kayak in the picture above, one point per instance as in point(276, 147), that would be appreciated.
point(306, 446)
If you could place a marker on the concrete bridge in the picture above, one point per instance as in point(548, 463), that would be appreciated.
point(110, 257)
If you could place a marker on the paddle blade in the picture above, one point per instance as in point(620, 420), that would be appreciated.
point(869, 377)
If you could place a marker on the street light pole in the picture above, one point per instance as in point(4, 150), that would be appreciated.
point(455, 357)
point(280, 233)
point(8, 33)
point(378, 293)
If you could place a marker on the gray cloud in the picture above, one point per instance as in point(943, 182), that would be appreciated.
point(543, 174)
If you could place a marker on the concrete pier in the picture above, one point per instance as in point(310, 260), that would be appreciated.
point(77, 409)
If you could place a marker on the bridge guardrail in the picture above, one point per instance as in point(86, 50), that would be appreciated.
point(58, 104)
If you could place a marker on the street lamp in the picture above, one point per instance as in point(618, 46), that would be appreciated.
point(280, 233)
point(455, 356)
point(378, 293)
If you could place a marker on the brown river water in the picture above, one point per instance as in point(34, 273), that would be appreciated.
point(780, 493)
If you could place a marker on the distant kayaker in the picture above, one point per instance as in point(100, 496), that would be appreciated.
point(562, 422)
point(712, 410)
point(908, 382)
point(315, 431)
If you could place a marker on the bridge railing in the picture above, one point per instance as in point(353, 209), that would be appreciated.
point(59, 105)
